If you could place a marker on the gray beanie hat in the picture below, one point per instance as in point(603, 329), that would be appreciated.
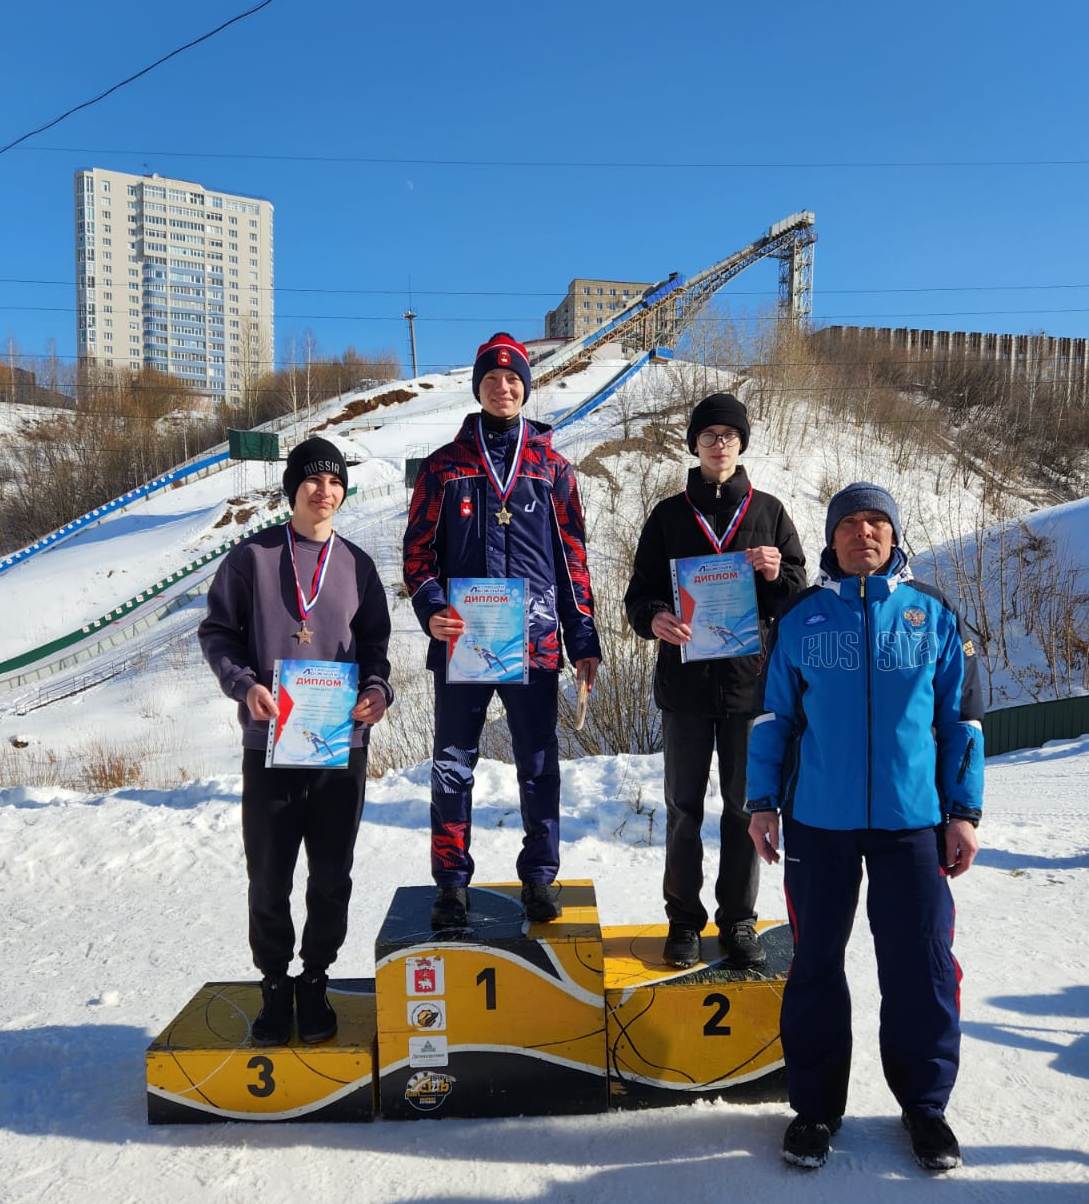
point(862, 495)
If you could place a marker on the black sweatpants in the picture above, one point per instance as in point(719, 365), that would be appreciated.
point(688, 742)
point(281, 810)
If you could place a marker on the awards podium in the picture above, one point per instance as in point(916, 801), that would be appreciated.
point(706, 1032)
point(502, 1018)
point(204, 1067)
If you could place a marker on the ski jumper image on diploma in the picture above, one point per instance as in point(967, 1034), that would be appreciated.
point(500, 502)
point(284, 594)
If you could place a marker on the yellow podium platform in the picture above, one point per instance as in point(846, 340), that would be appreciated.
point(502, 1018)
point(706, 1032)
point(203, 1067)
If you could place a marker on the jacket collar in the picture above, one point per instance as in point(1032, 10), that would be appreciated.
point(702, 493)
point(540, 433)
point(879, 585)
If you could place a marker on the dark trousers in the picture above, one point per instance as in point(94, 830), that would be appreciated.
point(687, 744)
point(281, 810)
point(460, 711)
point(910, 909)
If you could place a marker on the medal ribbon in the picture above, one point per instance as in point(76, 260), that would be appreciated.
point(320, 569)
point(720, 545)
point(503, 488)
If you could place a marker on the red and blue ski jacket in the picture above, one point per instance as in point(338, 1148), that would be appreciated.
point(453, 531)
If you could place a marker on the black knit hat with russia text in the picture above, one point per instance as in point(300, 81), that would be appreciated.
point(309, 458)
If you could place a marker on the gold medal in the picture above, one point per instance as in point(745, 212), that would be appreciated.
point(503, 517)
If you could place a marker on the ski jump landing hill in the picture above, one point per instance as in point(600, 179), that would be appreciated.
point(126, 578)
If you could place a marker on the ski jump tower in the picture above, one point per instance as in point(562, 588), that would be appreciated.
point(664, 312)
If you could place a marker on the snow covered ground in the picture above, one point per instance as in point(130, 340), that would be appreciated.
point(118, 905)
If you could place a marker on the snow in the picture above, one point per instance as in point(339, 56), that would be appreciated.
point(118, 905)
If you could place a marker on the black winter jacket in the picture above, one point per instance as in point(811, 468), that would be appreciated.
point(718, 687)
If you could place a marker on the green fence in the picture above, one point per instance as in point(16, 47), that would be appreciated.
point(1033, 725)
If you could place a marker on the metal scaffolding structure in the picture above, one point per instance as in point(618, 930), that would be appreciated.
point(664, 312)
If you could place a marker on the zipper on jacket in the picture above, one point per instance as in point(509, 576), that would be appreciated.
point(965, 761)
point(869, 703)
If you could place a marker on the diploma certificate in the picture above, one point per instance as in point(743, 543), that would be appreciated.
point(494, 645)
point(716, 597)
point(314, 726)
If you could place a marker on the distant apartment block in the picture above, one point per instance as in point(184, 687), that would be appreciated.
point(173, 276)
point(589, 303)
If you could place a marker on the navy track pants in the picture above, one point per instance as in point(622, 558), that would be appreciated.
point(910, 910)
point(460, 711)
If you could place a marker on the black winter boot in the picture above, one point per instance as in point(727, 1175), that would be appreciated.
point(273, 1023)
point(316, 1018)
point(541, 901)
point(451, 908)
point(806, 1142)
point(932, 1141)
point(682, 946)
point(742, 945)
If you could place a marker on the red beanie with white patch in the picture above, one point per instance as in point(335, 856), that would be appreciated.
point(501, 351)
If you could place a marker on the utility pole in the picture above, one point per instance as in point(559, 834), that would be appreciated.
point(410, 316)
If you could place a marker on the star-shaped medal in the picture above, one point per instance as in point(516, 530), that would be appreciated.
point(304, 635)
point(503, 517)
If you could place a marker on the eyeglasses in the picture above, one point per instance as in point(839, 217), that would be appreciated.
point(710, 438)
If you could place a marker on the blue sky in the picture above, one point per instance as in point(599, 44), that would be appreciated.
point(696, 83)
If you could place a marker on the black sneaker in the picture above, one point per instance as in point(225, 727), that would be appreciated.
point(541, 901)
point(806, 1142)
point(451, 907)
point(273, 1023)
point(742, 945)
point(316, 1019)
point(932, 1141)
point(682, 946)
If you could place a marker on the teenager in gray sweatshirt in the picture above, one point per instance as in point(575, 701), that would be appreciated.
point(298, 592)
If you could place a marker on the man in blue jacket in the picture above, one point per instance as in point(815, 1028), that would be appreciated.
point(870, 746)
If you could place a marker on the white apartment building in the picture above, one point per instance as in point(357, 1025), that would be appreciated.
point(173, 276)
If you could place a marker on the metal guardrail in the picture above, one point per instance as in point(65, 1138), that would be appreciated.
point(12, 679)
point(1034, 724)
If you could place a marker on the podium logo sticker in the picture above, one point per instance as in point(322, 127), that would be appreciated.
point(424, 976)
point(428, 1089)
point(430, 1014)
point(428, 1051)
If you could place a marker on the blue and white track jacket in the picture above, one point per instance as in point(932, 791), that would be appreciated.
point(871, 707)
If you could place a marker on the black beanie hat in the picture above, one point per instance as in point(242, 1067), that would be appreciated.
point(312, 456)
point(501, 351)
point(719, 409)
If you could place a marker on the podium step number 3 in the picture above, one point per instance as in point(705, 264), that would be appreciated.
point(203, 1066)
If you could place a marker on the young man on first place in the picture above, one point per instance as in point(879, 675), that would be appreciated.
point(500, 502)
point(291, 592)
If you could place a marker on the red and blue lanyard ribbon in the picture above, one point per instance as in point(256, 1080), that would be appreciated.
point(720, 545)
point(320, 569)
point(501, 487)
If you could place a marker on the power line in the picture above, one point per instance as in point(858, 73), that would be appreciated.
point(576, 164)
point(515, 318)
point(143, 71)
point(455, 292)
